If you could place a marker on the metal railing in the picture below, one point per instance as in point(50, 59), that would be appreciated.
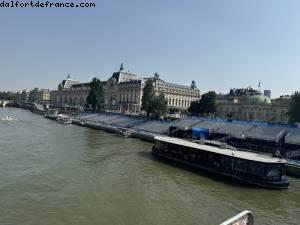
point(243, 218)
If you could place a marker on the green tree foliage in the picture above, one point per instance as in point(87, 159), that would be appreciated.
point(151, 103)
point(160, 105)
point(148, 95)
point(294, 108)
point(7, 95)
point(206, 105)
point(96, 95)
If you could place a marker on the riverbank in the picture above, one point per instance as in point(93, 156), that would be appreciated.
point(245, 134)
point(136, 127)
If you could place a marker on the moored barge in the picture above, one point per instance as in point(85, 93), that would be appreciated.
point(249, 167)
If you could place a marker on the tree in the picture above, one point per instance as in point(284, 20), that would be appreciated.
point(151, 103)
point(194, 107)
point(160, 105)
point(96, 95)
point(206, 105)
point(147, 98)
point(294, 108)
point(7, 95)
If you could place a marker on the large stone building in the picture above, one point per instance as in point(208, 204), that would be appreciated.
point(39, 95)
point(250, 104)
point(70, 92)
point(123, 92)
point(177, 96)
point(22, 96)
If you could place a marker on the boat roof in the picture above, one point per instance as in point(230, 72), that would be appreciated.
point(236, 153)
point(62, 115)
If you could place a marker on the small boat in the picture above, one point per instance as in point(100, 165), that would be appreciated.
point(124, 132)
point(293, 168)
point(247, 167)
point(8, 118)
point(51, 114)
point(64, 119)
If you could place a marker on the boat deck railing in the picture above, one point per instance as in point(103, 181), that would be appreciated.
point(243, 218)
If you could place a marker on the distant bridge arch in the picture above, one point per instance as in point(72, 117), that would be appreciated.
point(3, 103)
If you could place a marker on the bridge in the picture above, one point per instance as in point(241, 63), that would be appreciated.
point(3, 103)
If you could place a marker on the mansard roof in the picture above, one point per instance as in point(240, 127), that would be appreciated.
point(81, 85)
point(160, 81)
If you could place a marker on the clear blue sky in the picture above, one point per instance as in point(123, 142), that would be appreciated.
point(219, 44)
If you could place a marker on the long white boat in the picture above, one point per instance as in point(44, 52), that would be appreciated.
point(250, 167)
point(63, 119)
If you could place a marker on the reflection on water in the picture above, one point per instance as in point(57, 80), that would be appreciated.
point(55, 174)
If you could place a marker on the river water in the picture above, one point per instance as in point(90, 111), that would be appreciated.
point(51, 174)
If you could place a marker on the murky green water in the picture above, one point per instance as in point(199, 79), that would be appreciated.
point(52, 174)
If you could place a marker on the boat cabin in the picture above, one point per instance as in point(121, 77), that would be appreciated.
point(250, 167)
point(64, 119)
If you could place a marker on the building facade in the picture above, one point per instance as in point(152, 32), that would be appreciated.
point(22, 96)
point(39, 95)
point(70, 92)
point(177, 96)
point(250, 104)
point(123, 92)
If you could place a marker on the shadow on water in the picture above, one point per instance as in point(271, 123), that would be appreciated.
point(146, 155)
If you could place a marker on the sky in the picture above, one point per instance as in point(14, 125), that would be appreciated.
point(219, 44)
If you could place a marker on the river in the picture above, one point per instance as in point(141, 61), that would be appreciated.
point(51, 174)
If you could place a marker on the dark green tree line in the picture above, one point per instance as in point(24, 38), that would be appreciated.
point(206, 105)
point(7, 95)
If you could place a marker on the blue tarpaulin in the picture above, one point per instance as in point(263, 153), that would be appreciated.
point(200, 133)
